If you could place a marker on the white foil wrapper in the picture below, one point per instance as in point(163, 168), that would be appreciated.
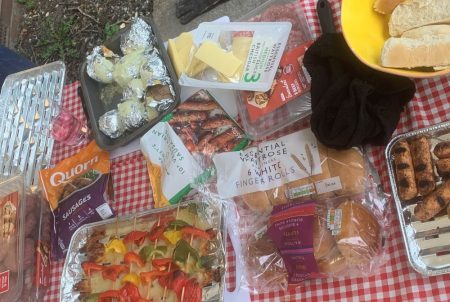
point(153, 71)
point(98, 67)
point(139, 37)
point(135, 89)
point(132, 113)
point(160, 105)
point(127, 68)
point(111, 124)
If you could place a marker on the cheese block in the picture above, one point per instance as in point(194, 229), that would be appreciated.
point(179, 50)
point(217, 58)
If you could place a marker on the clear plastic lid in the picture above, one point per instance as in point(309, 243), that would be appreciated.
point(11, 239)
point(288, 100)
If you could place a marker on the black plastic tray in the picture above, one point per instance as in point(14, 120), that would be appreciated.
point(95, 108)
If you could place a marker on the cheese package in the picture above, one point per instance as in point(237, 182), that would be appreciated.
point(237, 55)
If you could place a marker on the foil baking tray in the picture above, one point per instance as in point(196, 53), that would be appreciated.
point(427, 243)
point(117, 227)
point(27, 104)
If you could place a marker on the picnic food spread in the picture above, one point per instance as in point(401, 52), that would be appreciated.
point(295, 206)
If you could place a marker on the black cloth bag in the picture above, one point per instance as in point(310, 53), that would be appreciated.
point(352, 104)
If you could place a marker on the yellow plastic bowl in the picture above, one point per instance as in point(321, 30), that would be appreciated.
point(365, 31)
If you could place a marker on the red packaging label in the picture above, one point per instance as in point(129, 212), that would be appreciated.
point(42, 272)
point(4, 282)
point(291, 80)
point(291, 228)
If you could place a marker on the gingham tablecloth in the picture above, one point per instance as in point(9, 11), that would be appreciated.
point(396, 281)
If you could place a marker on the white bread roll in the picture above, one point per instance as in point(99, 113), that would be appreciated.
point(416, 13)
point(436, 30)
point(386, 6)
point(410, 53)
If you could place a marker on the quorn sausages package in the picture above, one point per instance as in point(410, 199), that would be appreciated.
point(302, 211)
point(79, 192)
point(179, 150)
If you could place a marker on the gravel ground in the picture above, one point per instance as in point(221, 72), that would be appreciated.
point(67, 30)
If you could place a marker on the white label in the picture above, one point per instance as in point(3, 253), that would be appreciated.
point(261, 58)
point(104, 211)
point(163, 148)
point(301, 191)
point(334, 220)
point(328, 185)
point(270, 165)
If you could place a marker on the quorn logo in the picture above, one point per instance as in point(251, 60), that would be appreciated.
point(59, 178)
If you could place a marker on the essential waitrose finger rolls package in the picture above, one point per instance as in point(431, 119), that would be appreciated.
point(238, 55)
point(179, 150)
point(78, 191)
point(303, 211)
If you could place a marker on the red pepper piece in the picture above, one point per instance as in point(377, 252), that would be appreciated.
point(179, 282)
point(192, 291)
point(89, 267)
point(136, 237)
point(156, 233)
point(148, 277)
point(131, 292)
point(112, 272)
point(163, 264)
point(192, 231)
point(132, 257)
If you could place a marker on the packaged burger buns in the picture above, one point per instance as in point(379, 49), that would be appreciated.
point(78, 192)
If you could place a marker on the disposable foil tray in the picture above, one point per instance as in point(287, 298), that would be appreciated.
point(27, 104)
point(427, 243)
point(73, 272)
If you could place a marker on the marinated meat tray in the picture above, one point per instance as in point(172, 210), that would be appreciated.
point(173, 254)
point(419, 172)
point(27, 105)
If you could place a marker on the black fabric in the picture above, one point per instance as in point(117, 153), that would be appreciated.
point(187, 10)
point(352, 104)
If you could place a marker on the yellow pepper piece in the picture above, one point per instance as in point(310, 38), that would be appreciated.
point(116, 245)
point(173, 236)
point(132, 278)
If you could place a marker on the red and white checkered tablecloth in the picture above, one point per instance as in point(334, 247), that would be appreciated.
point(396, 281)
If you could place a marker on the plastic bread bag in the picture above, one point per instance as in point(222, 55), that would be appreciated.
point(334, 237)
point(296, 197)
point(179, 149)
point(239, 55)
point(292, 167)
point(78, 190)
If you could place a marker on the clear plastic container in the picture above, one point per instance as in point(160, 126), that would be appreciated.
point(11, 239)
point(288, 100)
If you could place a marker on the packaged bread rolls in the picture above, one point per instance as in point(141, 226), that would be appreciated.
point(297, 241)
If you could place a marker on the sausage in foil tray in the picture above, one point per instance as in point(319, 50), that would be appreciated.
point(419, 172)
point(78, 192)
point(179, 149)
point(174, 254)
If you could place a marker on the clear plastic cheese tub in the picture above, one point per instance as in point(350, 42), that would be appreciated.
point(288, 100)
